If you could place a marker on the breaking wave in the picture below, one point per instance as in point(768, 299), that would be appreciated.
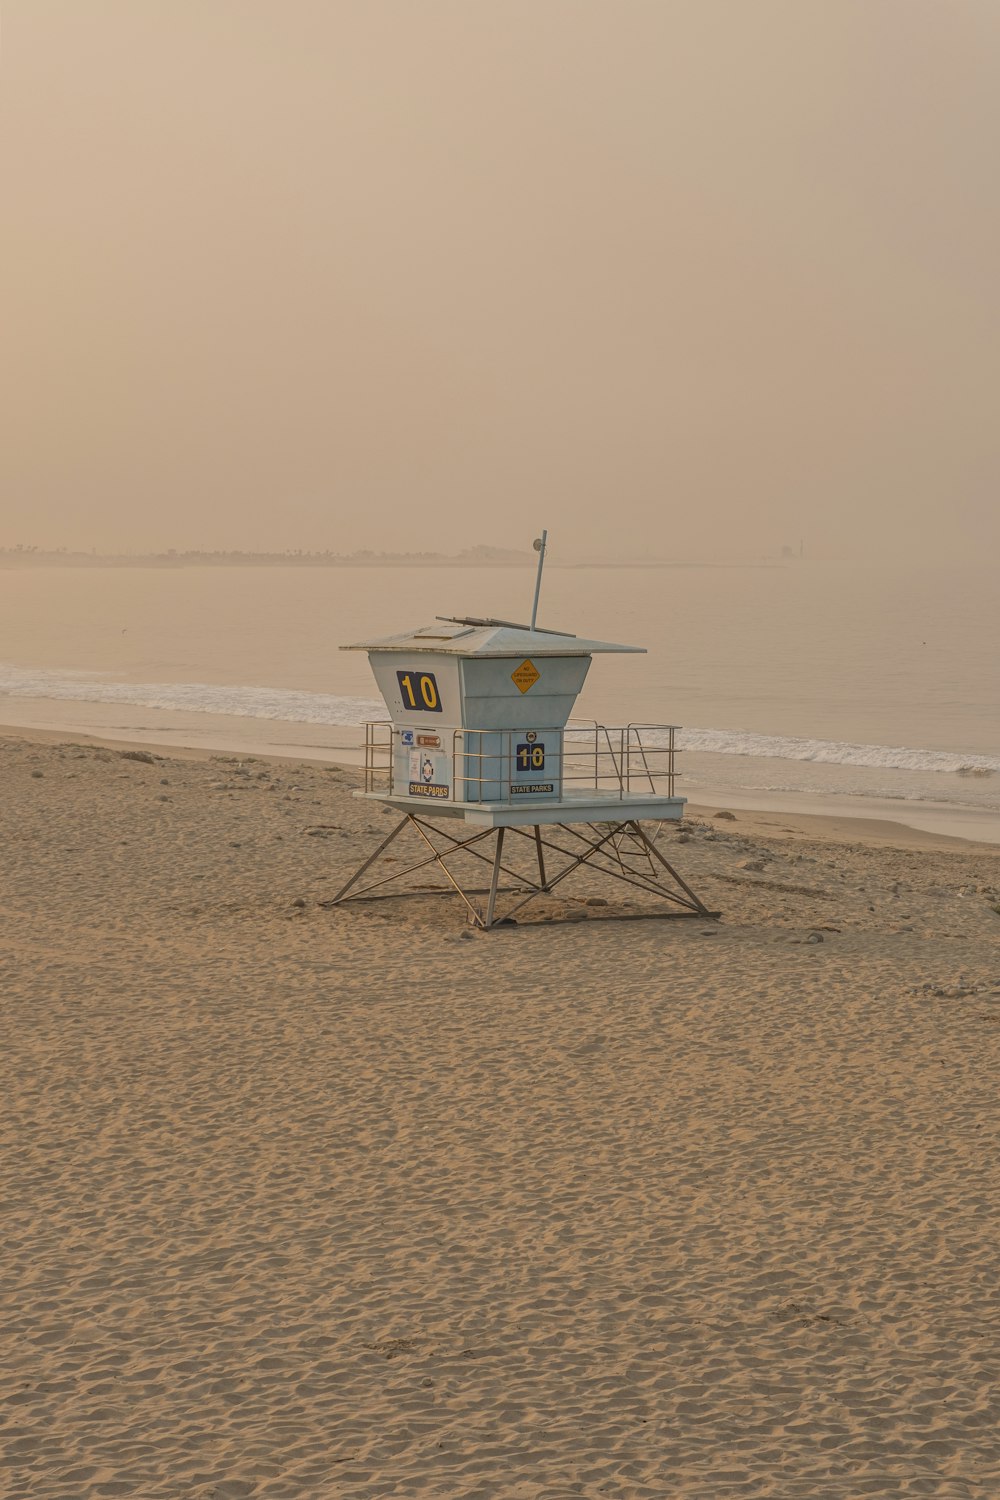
point(837, 752)
point(298, 707)
point(286, 704)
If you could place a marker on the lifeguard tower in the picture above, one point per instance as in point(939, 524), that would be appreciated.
point(479, 744)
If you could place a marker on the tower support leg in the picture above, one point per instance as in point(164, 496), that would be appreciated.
point(655, 854)
point(492, 903)
point(370, 861)
point(539, 849)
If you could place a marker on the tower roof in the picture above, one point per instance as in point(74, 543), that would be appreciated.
point(472, 637)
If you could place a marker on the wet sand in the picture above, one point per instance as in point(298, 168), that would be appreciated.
point(358, 1202)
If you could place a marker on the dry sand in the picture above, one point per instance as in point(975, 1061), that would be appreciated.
point(301, 1202)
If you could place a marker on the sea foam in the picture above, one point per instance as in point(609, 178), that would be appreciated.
point(287, 704)
point(298, 707)
point(836, 752)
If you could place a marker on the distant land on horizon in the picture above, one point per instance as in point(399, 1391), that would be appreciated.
point(480, 556)
point(62, 557)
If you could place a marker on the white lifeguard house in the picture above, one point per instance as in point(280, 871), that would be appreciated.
point(480, 734)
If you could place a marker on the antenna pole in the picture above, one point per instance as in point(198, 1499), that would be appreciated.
point(539, 546)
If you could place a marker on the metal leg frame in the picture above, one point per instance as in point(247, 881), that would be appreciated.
point(436, 856)
point(596, 852)
point(616, 867)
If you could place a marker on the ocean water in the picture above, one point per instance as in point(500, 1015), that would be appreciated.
point(797, 681)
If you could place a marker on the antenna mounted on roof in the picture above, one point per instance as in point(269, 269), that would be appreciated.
point(539, 546)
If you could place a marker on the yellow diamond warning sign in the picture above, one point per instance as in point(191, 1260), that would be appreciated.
point(525, 676)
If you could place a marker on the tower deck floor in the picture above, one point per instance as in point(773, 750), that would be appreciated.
point(587, 806)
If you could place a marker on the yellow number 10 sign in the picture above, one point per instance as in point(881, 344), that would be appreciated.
point(419, 692)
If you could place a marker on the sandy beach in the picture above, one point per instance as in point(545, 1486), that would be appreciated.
point(359, 1202)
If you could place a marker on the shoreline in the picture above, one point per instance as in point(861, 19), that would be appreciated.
point(883, 824)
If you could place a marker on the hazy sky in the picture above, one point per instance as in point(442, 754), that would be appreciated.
point(677, 278)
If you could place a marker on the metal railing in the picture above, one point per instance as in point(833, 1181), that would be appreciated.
point(483, 763)
point(378, 755)
point(631, 758)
